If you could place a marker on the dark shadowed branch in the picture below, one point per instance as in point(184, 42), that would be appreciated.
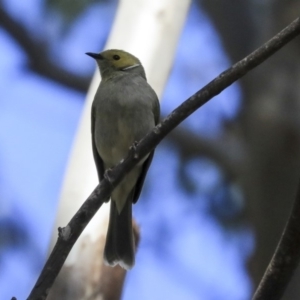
point(39, 61)
point(69, 234)
point(285, 260)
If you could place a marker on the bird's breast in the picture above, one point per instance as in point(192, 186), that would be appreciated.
point(118, 127)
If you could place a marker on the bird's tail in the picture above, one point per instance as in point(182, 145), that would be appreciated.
point(119, 246)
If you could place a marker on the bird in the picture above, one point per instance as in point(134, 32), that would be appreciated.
point(125, 108)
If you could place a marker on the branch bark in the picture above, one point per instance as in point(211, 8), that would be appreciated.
point(69, 234)
point(285, 260)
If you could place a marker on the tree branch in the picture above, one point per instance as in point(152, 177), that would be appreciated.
point(69, 234)
point(285, 259)
point(37, 54)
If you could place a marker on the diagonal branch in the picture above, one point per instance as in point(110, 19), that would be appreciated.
point(69, 234)
point(285, 259)
point(37, 54)
point(36, 51)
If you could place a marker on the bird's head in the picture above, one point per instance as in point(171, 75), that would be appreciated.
point(113, 61)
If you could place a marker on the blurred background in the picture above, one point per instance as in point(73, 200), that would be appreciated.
point(206, 234)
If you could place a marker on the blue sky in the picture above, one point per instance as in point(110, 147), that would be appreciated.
point(185, 251)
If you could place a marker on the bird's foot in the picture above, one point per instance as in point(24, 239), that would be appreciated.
point(108, 174)
point(132, 150)
point(133, 146)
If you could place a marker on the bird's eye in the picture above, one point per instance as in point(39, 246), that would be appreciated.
point(116, 57)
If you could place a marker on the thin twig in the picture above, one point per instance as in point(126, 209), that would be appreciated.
point(69, 234)
point(285, 259)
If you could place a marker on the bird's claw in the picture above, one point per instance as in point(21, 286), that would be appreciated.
point(133, 146)
point(108, 175)
point(132, 149)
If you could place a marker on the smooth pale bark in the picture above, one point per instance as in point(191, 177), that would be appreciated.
point(149, 29)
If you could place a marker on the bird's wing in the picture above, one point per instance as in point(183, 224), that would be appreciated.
point(98, 160)
point(156, 110)
point(140, 181)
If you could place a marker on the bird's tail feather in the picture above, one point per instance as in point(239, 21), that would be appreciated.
point(119, 246)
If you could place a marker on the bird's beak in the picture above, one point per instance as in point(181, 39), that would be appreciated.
point(94, 55)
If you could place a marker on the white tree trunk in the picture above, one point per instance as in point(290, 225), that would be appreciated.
point(149, 29)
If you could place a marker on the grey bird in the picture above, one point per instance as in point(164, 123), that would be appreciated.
point(124, 110)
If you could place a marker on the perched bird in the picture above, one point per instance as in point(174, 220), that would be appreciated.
point(124, 110)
